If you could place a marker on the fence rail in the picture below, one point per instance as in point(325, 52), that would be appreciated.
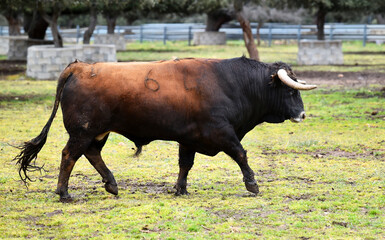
point(268, 32)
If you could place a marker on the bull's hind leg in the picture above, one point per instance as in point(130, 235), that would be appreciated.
point(74, 149)
point(186, 161)
point(94, 157)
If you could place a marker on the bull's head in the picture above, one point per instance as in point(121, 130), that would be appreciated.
point(297, 85)
point(287, 103)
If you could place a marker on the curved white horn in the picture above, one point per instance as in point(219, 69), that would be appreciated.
point(301, 81)
point(282, 74)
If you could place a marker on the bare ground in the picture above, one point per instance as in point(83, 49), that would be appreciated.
point(346, 79)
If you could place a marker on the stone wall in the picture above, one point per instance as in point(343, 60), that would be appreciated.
point(209, 38)
point(320, 52)
point(116, 39)
point(4, 45)
point(46, 62)
point(18, 46)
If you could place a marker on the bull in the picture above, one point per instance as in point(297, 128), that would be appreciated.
point(206, 105)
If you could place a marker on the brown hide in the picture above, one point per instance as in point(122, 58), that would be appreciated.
point(143, 101)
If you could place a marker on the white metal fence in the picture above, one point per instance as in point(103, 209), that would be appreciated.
point(268, 32)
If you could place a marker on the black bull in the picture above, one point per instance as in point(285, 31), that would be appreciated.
point(206, 105)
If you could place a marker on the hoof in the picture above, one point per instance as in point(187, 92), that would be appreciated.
point(111, 188)
point(252, 187)
point(66, 199)
point(181, 191)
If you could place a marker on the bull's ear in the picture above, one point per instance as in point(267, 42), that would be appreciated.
point(274, 80)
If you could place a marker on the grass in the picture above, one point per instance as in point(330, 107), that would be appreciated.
point(323, 178)
point(356, 57)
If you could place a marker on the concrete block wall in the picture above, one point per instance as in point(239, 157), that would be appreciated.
point(4, 45)
point(116, 39)
point(99, 53)
point(209, 38)
point(320, 52)
point(18, 46)
point(45, 62)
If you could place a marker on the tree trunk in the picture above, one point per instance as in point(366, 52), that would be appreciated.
point(380, 19)
point(37, 27)
point(258, 35)
point(57, 39)
point(111, 23)
point(13, 23)
point(215, 19)
point(248, 36)
point(321, 14)
point(91, 27)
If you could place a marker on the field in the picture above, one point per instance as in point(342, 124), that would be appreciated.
point(321, 179)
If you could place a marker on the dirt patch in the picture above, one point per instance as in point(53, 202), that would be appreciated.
point(380, 94)
point(9, 67)
point(335, 153)
point(346, 79)
point(24, 97)
point(365, 53)
point(149, 187)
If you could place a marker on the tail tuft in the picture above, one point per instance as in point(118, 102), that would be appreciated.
point(27, 157)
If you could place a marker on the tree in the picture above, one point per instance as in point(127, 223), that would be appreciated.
point(247, 34)
point(111, 11)
point(93, 20)
point(378, 9)
point(11, 9)
point(322, 7)
point(264, 13)
point(55, 7)
point(34, 24)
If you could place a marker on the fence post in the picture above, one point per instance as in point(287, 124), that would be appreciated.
point(270, 34)
point(141, 34)
point(189, 35)
point(77, 33)
point(164, 35)
point(365, 35)
point(331, 31)
point(299, 33)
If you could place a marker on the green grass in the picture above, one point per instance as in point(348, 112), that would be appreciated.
point(323, 178)
point(368, 59)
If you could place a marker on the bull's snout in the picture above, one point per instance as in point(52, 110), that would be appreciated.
point(300, 118)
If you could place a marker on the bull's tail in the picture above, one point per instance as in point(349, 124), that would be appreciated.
point(29, 150)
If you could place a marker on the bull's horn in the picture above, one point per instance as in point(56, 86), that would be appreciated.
point(301, 81)
point(282, 74)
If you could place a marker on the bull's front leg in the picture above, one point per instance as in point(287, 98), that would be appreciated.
point(248, 173)
point(186, 161)
point(232, 147)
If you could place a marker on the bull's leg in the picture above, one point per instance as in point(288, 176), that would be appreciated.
point(234, 149)
point(71, 153)
point(186, 161)
point(94, 157)
point(239, 155)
